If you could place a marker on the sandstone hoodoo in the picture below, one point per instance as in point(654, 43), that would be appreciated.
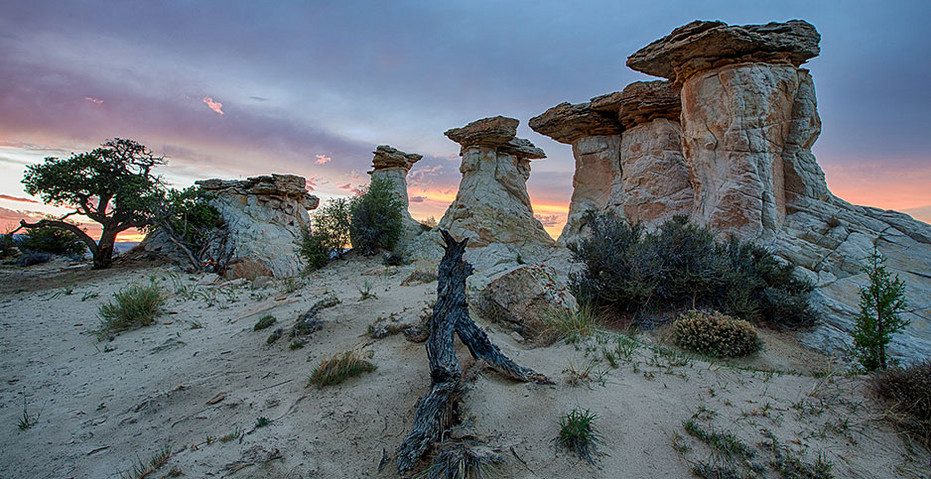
point(264, 215)
point(492, 205)
point(393, 165)
point(727, 139)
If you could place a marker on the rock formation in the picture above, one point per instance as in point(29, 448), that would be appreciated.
point(265, 215)
point(393, 165)
point(492, 205)
point(727, 139)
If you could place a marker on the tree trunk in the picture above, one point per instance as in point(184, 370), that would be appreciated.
point(103, 257)
point(451, 316)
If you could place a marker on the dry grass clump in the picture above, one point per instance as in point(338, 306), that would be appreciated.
point(909, 389)
point(715, 334)
point(136, 305)
point(264, 322)
point(340, 367)
point(419, 276)
point(570, 323)
point(463, 460)
point(142, 469)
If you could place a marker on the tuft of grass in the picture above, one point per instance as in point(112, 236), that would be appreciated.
point(789, 464)
point(135, 305)
point(461, 460)
point(571, 324)
point(724, 442)
point(365, 291)
point(338, 368)
point(232, 436)
point(275, 336)
point(264, 322)
point(419, 276)
point(142, 469)
point(296, 344)
point(27, 420)
point(577, 433)
point(262, 422)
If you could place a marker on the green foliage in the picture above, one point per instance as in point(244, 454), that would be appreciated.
point(328, 235)
point(682, 265)
point(26, 420)
point(577, 433)
point(49, 239)
point(560, 322)
point(144, 469)
point(909, 390)
point(194, 225)
point(262, 422)
point(376, 218)
point(881, 306)
point(264, 322)
point(725, 442)
point(135, 305)
point(715, 334)
point(338, 368)
point(7, 245)
point(112, 185)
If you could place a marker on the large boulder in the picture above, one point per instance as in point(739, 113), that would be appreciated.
point(264, 215)
point(523, 298)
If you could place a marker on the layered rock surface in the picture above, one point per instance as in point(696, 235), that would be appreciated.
point(264, 215)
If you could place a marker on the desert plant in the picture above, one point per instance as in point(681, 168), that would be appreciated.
point(715, 334)
point(135, 305)
point(725, 442)
point(682, 265)
point(262, 422)
point(419, 276)
point(30, 259)
point(52, 240)
point(376, 218)
point(572, 323)
point(909, 390)
point(264, 322)
point(26, 420)
point(328, 235)
point(338, 368)
point(881, 305)
point(7, 246)
point(142, 469)
point(232, 435)
point(461, 460)
point(577, 433)
point(365, 291)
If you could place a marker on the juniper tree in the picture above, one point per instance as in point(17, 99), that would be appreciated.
point(881, 305)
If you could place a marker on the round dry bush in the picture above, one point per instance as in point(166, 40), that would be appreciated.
point(715, 334)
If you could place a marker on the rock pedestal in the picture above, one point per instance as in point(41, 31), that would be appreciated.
point(492, 205)
point(393, 165)
point(265, 215)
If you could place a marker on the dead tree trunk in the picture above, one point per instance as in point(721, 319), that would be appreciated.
point(451, 315)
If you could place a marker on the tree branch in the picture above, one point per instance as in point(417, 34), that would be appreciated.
point(91, 244)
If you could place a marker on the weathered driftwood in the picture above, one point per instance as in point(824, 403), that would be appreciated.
point(451, 315)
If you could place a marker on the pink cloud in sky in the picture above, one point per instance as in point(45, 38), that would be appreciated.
point(323, 159)
point(93, 100)
point(17, 198)
point(213, 104)
point(417, 199)
point(311, 183)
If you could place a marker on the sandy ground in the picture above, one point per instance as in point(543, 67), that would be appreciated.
point(101, 407)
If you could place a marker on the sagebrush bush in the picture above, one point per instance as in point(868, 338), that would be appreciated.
point(376, 218)
point(909, 390)
point(49, 239)
point(328, 234)
point(135, 305)
point(715, 334)
point(682, 265)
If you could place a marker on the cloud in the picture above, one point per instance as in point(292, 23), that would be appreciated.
point(93, 100)
point(417, 199)
point(550, 220)
point(311, 183)
point(17, 198)
point(356, 190)
point(213, 105)
point(323, 159)
point(258, 98)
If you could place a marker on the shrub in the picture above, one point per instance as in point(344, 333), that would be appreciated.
point(264, 322)
point(376, 218)
point(562, 322)
point(577, 433)
point(909, 389)
point(328, 235)
point(7, 246)
point(136, 305)
point(682, 265)
point(52, 240)
point(715, 334)
point(30, 259)
point(881, 305)
point(339, 368)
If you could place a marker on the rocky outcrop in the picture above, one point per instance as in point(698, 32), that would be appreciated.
point(264, 215)
point(393, 165)
point(703, 45)
point(492, 205)
point(728, 141)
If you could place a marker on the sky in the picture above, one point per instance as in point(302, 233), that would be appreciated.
point(232, 89)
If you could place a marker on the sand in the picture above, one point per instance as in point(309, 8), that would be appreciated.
point(201, 373)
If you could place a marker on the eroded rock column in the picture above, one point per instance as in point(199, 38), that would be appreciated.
point(739, 90)
point(492, 205)
point(393, 165)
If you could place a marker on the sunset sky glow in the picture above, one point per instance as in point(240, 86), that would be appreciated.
point(235, 89)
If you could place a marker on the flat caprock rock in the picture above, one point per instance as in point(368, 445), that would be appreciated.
point(702, 45)
point(641, 102)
